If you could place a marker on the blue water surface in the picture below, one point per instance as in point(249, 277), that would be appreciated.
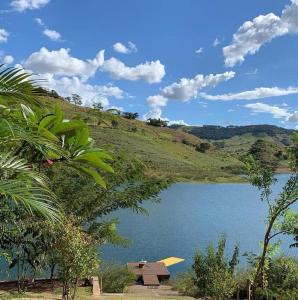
point(190, 216)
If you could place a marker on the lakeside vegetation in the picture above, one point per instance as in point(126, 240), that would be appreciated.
point(58, 179)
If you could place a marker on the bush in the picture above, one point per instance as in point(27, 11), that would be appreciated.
point(214, 274)
point(115, 278)
point(203, 147)
point(283, 276)
point(185, 284)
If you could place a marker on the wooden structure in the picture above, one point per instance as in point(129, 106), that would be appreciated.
point(95, 286)
point(149, 273)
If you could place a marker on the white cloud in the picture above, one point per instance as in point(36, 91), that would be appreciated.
point(257, 93)
point(177, 122)
point(157, 101)
point(60, 62)
point(252, 35)
point(22, 5)
point(7, 59)
point(66, 86)
point(3, 35)
point(154, 113)
point(216, 42)
point(151, 72)
point(119, 47)
point(184, 90)
point(187, 89)
point(275, 111)
point(200, 50)
point(52, 34)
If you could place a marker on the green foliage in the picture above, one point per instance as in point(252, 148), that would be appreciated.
point(267, 154)
point(130, 115)
point(76, 258)
point(127, 187)
point(157, 122)
point(279, 219)
point(214, 274)
point(115, 277)
point(203, 147)
point(185, 284)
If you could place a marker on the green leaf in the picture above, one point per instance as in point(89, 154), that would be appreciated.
point(96, 176)
point(94, 160)
point(65, 127)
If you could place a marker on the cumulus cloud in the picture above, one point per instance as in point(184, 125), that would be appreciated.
point(151, 72)
point(252, 35)
point(66, 86)
point(121, 48)
point(184, 90)
point(154, 113)
point(22, 5)
point(60, 62)
point(187, 89)
point(157, 101)
point(3, 35)
point(7, 59)
point(257, 93)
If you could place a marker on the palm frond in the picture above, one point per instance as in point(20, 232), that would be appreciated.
point(15, 85)
point(35, 199)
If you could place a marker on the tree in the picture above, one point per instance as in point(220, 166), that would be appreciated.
point(76, 258)
point(76, 99)
point(214, 274)
point(128, 187)
point(130, 115)
point(279, 220)
point(97, 105)
point(114, 123)
point(266, 153)
point(157, 122)
point(203, 147)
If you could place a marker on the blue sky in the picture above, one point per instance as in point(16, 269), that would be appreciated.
point(188, 61)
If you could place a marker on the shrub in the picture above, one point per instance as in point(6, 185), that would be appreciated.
point(185, 284)
point(203, 147)
point(115, 278)
point(214, 274)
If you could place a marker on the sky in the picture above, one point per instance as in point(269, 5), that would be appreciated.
point(195, 62)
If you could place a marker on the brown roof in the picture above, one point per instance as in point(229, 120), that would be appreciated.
point(150, 268)
point(150, 279)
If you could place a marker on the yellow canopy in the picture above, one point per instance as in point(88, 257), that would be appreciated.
point(171, 261)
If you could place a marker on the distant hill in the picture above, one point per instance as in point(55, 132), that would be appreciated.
point(237, 140)
point(165, 151)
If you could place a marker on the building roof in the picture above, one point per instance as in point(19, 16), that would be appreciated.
point(150, 279)
point(149, 268)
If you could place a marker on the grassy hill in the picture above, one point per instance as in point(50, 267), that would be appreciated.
point(165, 151)
point(238, 139)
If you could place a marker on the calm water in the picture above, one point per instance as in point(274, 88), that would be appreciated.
point(191, 216)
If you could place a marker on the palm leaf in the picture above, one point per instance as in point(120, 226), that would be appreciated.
point(35, 199)
point(15, 85)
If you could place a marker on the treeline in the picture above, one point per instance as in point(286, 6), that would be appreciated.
point(213, 132)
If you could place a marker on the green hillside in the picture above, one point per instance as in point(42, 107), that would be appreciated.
point(165, 151)
point(237, 140)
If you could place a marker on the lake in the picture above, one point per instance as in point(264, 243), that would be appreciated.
point(190, 216)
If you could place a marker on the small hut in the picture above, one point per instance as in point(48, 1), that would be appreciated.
point(152, 273)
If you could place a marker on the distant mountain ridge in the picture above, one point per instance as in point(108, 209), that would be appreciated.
point(214, 132)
